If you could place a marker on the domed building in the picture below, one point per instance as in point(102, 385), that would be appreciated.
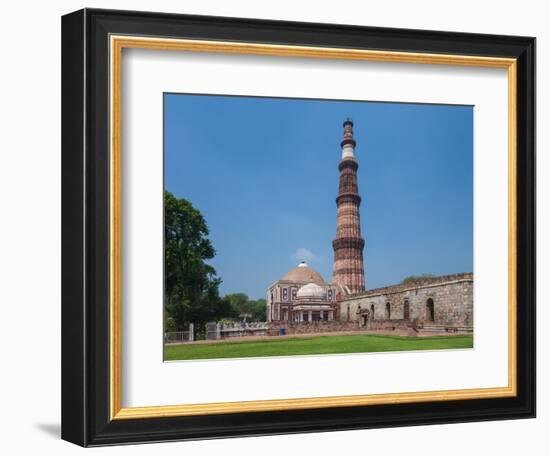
point(301, 295)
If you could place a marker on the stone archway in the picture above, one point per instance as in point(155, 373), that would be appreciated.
point(430, 310)
point(366, 316)
point(406, 310)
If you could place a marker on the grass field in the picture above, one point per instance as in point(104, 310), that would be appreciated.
point(315, 345)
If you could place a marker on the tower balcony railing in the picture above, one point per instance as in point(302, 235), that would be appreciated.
point(348, 198)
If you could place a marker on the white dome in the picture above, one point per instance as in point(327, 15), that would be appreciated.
point(311, 290)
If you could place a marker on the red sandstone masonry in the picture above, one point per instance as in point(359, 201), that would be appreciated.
point(348, 270)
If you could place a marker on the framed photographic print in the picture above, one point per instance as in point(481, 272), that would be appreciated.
point(277, 227)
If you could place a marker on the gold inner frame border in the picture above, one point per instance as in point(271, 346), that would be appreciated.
point(116, 46)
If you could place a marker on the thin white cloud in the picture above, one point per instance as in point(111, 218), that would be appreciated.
point(303, 254)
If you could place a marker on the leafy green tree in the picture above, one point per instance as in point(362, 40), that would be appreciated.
point(244, 308)
point(239, 303)
point(191, 284)
point(257, 310)
point(169, 323)
point(415, 278)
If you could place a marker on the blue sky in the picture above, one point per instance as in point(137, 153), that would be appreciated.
point(264, 173)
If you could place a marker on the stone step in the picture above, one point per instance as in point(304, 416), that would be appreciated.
point(445, 328)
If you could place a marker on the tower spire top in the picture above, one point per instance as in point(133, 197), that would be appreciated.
point(348, 142)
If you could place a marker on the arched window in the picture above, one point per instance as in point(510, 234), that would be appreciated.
point(388, 311)
point(430, 310)
point(372, 311)
point(406, 310)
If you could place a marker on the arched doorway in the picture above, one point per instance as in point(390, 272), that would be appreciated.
point(406, 310)
point(388, 311)
point(430, 311)
point(372, 311)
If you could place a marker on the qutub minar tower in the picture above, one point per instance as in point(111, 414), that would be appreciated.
point(302, 302)
point(348, 270)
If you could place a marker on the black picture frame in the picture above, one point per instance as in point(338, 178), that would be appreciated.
point(85, 228)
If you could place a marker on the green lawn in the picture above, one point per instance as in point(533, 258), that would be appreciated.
point(315, 345)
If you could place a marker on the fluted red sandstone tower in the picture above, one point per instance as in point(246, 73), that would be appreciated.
point(348, 246)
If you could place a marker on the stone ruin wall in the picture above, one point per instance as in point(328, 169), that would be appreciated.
point(313, 327)
point(452, 297)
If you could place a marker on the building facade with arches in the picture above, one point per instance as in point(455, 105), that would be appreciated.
point(301, 295)
point(444, 301)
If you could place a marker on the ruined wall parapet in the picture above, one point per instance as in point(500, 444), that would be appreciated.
point(428, 282)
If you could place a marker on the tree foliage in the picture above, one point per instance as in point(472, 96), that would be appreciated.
point(191, 284)
point(415, 278)
point(245, 308)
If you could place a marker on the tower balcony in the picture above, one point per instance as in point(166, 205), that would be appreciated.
point(348, 198)
point(348, 163)
point(348, 243)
